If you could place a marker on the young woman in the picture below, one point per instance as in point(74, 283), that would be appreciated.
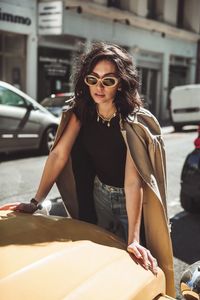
point(109, 155)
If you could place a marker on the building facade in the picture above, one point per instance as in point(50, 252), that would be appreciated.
point(18, 44)
point(161, 35)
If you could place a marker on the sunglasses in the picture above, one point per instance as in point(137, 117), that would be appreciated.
point(92, 80)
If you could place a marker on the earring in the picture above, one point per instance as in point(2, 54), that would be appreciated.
point(119, 89)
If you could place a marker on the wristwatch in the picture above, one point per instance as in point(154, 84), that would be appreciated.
point(36, 203)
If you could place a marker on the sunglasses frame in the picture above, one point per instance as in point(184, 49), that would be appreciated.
point(101, 80)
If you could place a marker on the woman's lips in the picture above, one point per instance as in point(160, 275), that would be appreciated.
point(99, 95)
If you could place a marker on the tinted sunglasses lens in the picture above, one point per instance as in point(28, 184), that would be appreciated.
point(109, 81)
point(91, 80)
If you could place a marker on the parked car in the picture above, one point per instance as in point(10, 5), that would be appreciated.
point(185, 105)
point(49, 257)
point(24, 123)
point(190, 179)
point(56, 102)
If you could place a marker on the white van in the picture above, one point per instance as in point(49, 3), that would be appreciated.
point(185, 105)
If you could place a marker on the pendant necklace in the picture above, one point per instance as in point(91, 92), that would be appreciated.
point(108, 119)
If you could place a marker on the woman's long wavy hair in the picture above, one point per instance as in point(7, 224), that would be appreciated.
point(127, 99)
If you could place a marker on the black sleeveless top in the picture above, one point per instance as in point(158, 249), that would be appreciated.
point(106, 149)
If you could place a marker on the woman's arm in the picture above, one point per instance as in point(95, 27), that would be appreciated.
point(55, 162)
point(134, 199)
point(58, 158)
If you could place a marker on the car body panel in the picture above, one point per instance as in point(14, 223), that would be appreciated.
point(60, 258)
point(20, 128)
point(23, 121)
point(185, 104)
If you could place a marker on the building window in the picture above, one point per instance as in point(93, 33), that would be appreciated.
point(114, 3)
point(198, 63)
point(148, 91)
point(152, 9)
point(180, 13)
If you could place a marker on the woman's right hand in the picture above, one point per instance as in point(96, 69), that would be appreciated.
point(144, 256)
point(29, 208)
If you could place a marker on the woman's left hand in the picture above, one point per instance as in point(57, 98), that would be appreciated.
point(144, 256)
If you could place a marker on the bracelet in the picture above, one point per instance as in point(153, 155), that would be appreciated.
point(36, 203)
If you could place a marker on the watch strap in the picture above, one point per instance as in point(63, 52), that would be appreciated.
point(36, 203)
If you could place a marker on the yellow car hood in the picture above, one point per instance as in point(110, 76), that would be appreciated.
point(59, 258)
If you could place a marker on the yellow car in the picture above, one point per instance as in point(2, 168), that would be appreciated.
point(49, 257)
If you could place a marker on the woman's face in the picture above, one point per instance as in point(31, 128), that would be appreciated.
point(99, 92)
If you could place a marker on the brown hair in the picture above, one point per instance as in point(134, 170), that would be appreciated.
point(127, 99)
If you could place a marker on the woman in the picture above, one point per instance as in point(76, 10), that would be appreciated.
point(108, 153)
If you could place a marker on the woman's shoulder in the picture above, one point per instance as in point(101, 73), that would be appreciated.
point(142, 113)
point(145, 118)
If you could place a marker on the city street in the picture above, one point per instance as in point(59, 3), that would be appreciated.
point(20, 175)
point(100, 58)
point(185, 227)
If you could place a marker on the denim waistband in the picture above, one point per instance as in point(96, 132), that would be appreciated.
point(109, 188)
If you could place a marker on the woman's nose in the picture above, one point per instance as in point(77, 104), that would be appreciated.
point(100, 84)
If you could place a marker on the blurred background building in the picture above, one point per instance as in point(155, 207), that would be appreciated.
point(39, 40)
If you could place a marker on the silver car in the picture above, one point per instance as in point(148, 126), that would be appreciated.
point(55, 103)
point(24, 123)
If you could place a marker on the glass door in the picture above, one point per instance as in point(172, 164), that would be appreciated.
point(13, 59)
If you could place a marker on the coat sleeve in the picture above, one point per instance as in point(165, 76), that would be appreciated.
point(148, 152)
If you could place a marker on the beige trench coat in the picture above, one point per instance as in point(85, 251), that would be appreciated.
point(142, 135)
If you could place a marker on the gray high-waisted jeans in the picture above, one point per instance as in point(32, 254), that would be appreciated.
point(110, 207)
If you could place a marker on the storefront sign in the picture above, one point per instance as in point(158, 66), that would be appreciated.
point(22, 18)
point(54, 66)
point(50, 17)
point(57, 70)
point(7, 17)
point(59, 60)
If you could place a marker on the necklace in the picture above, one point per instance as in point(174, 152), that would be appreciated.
point(108, 119)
